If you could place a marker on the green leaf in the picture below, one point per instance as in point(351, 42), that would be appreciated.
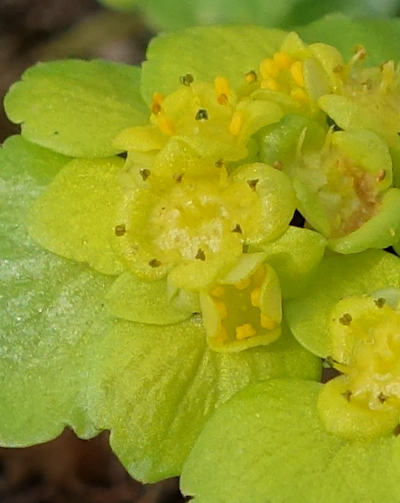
point(205, 53)
point(85, 192)
point(76, 107)
point(268, 444)
point(51, 312)
point(379, 36)
point(158, 386)
point(338, 277)
point(134, 299)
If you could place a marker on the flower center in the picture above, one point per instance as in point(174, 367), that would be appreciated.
point(284, 74)
point(371, 359)
point(244, 309)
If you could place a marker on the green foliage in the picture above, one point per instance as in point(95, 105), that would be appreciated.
point(51, 313)
point(76, 107)
point(268, 444)
point(159, 385)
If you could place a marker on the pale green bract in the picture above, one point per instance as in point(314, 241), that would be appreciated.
point(83, 91)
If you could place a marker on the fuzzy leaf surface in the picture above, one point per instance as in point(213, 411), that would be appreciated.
point(158, 386)
point(76, 107)
point(268, 444)
point(75, 216)
point(51, 312)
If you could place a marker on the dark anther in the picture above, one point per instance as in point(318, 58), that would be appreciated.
point(202, 114)
point(186, 80)
point(382, 398)
point(251, 76)
point(252, 183)
point(380, 302)
point(238, 229)
point(200, 254)
point(338, 69)
point(346, 319)
point(178, 177)
point(220, 163)
point(55, 132)
point(156, 108)
point(278, 165)
point(223, 99)
point(145, 173)
point(154, 263)
point(120, 230)
point(396, 431)
point(347, 395)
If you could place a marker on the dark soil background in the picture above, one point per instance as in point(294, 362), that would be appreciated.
point(68, 470)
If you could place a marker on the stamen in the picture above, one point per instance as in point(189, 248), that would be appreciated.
point(382, 398)
point(255, 297)
point(145, 173)
point(338, 69)
point(238, 229)
point(187, 79)
point(250, 77)
point(268, 68)
point(299, 95)
point(346, 319)
point(220, 163)
point(245, 331)
point(380, 302)
point(201, 115)
point(154, 263)
point(283, 60)
point(156, 103)
point(236, 123)
point(296, 71)
point(266, 322)
point(270, 84)
point(178, 177)
point(252, 183)
point(222, 90)
point(200, 254)
point(120, 230)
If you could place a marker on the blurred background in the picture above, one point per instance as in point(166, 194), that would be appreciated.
point(69, 470)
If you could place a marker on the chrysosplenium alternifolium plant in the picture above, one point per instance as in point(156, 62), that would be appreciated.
point(152, 293)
